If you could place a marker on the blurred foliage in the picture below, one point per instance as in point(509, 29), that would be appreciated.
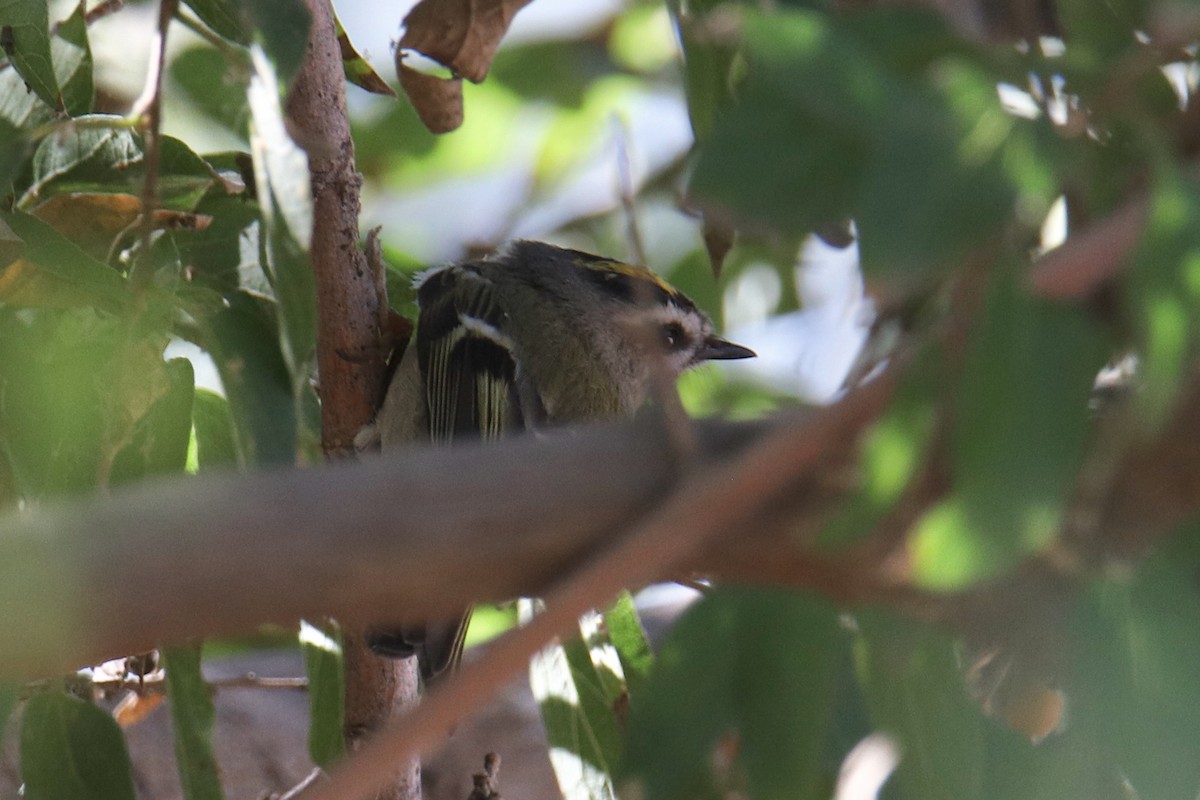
point(944, 138)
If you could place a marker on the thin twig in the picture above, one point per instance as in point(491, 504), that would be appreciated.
point(298, 790)
point(252, 681)
point(706, 506)
point(149, 108)
point(633, 234)
point(102, 10)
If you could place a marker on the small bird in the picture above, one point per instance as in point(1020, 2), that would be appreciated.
point(532, 337)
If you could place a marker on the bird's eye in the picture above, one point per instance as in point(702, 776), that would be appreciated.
point(673, 335)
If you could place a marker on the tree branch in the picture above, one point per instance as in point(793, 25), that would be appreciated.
point(351, 302)
point(219, 555)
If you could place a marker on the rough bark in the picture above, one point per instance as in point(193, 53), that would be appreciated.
point(349, 351)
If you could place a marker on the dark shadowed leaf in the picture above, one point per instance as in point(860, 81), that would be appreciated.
point(73, 63)
point(44, 359)
point(1134, 649)
point(183, 176)
point(1019, 436)
point(10, 244)
point(72, 750)
point(755, 664)
point(1164, 294)
point(245, 348)
point(708, 61)
point(160, 438)
point(197, 70)
point(892, 453)
point(15, 147)
point(915, 692)
point(281, 26)
point(192, 718)
point(225, 17)
point(828, 126)
point(29, 54)
point(8, 701)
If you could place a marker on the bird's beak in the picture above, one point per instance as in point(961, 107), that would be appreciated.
point(716, 348)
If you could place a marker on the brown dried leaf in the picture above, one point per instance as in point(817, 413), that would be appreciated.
point(460, 34)
point(438, 101)
point(93, 221)
point(718, 240)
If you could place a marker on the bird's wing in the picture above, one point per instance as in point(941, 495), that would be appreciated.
point(469, 373)
point(466, 359)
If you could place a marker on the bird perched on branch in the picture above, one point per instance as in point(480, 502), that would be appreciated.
point(532, 337)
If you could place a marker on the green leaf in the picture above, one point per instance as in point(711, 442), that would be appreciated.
point(29, 22)
point(934, 188)
point(73, 63)
point(9, 692)
point(10, 245)
point(758, 663)
point(915, 692)
point(225, 256)
point(295, 293)
point(15, 147)
point(325, 667)
point(629, 639)
point(831, 122)
point(1164, 294)
point(20, 108)
point(192, 718)
point(213, 424)
point(576, 700)
point(1071, 766)
point(892, 453)
point(1133, 652)
point(198, 69)
point(282, 178)
point(224, 17)
point(160, 438)
point(556, 71)
point(104, 148)
point(53, 419)
point(708, 63)
point(72, 750)
point(1019, 435)
point(356, 68)
point(245, 347)
point(282, 29)
point(1102, 31)
point(183, 176)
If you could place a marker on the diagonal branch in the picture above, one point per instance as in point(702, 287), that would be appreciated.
point(712, 503)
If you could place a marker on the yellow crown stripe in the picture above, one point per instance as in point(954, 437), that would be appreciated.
point(630, 271)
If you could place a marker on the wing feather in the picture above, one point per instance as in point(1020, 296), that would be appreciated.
point(466, 359)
